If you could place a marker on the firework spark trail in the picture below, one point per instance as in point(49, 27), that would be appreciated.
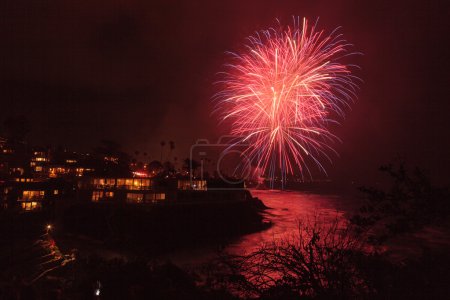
point(282, 93)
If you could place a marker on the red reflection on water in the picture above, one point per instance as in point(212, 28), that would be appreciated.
point(288, 208)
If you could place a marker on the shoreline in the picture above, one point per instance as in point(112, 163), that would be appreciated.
point(151, 232)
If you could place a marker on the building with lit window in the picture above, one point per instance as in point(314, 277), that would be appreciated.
point(67, 170)
point(195, 185)
point(134, 190)
point(39, 161)
point(26, 194)
point(145, 190)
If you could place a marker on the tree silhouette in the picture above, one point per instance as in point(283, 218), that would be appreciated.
point(408, 204)
point(191, 165)
point(108, 148)
point(155, 167)
point(169, 168)
point(118, 165)
point(175, 162)
point(318, 262)
point(171, 148)
point(162, 143)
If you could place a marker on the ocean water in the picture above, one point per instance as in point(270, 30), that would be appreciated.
point(286, 210)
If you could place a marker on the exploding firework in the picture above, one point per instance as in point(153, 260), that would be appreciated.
point(282, 93)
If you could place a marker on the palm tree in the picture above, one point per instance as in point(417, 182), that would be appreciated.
point(171, 147)
point(191, 166)
point(175, 162)
point(162, 143)
point(155, 167)
point(145, 157)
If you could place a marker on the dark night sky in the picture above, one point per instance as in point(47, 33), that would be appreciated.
point(141, 71)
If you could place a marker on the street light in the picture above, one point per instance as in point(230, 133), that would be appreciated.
point(97, 289)
point(49, 227)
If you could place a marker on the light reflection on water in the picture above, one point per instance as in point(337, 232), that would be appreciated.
point(290, 207)
point(287, 208)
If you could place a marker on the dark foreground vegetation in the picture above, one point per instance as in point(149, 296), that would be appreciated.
point(342, 260)
point(409, 204)
point(329, 263)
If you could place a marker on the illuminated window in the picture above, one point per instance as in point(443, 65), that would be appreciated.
point(100, 182)
point(146, 183)
point(38, 169)
point(55, 192)
point(135, 198)
point(28, 206)
point(109, 194)
point(61, 170)
point(97, 195)
point(155, 197)
point(138, 183)
point(110, 181)
point(52, 173)
point(198, 185)
point(18, 171)
point(121, 183)
point(30, 195)
point(184, 184)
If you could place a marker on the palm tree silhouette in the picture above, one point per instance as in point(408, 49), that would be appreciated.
point(162, 143)
point(175, 163)
point(171, 148)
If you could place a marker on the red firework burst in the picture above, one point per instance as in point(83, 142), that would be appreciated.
point(282, 92)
